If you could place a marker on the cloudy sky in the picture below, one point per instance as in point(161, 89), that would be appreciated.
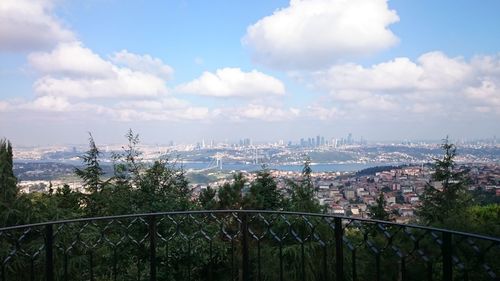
point(186, 70)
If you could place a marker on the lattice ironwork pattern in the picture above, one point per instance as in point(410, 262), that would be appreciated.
point(242, 245)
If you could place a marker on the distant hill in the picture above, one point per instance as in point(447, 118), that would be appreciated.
point(373, 170)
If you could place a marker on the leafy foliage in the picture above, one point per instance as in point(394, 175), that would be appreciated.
point(264, 193)
point(230, 194)
point(445, 205)
point(91, 174)
point(207, 200)
point(302, 193)
point(378, 211)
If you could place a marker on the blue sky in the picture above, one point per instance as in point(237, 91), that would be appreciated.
point(186, 70)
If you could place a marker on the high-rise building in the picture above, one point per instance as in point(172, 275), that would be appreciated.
point(245, 142)
point(334, 143)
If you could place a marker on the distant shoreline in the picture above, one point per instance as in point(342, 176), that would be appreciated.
point(293, 167)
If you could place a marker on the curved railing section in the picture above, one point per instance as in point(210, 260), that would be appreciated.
point(242, 245)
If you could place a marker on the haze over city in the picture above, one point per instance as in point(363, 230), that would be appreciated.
point(192, 70)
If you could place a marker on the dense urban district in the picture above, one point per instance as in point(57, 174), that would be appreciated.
point(348, 176)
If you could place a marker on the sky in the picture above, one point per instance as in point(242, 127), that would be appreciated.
point(267, 70)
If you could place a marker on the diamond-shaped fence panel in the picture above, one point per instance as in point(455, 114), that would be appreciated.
point(22, 250)
point(242, 245)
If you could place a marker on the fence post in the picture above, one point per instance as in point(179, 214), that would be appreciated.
point(152, 248)
point(339, 250)
point(245, 266)
point(49, 255)
point(446, 249)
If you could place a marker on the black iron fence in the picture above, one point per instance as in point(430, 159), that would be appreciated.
point(242, 245)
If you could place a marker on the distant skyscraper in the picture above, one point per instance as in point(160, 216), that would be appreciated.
point(334, 143)
point(318, 140)
point(349, 139)
point(245, 142)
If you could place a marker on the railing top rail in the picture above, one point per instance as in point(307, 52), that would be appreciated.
point(174, 213)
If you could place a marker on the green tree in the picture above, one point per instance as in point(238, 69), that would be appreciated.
point(141, 187)
point(264, 194)
point(92, 171)
point(8, 182)
point(444, 206)
point(127, 164)
point(230, 194)
point(91, 176)
point(206, 199)
point(302, 193)
point(163, 187)
point(10, 213)
point(378, 211)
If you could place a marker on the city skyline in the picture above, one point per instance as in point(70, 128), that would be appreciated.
point(187, 71)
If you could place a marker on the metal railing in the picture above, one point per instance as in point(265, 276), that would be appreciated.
point(242, 245)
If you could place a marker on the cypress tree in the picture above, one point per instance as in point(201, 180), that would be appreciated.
point(8, 182)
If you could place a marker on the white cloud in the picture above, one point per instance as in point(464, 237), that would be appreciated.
point(49, 103)
point(432, 71)
point(263, 112)
point(185, 114)
point(143, 63)
point(169, 109)
point(488, 93)
point(71, 59)
point(232, 82)
point(434, 83)
point(72, 70)
point(126, 84)
point(73, 76)
point(316, 33)
point(163, 104)
point(27, 25)
point(323, 112)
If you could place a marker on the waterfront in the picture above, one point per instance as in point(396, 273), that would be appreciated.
point(228, 167)
point(316, 167)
